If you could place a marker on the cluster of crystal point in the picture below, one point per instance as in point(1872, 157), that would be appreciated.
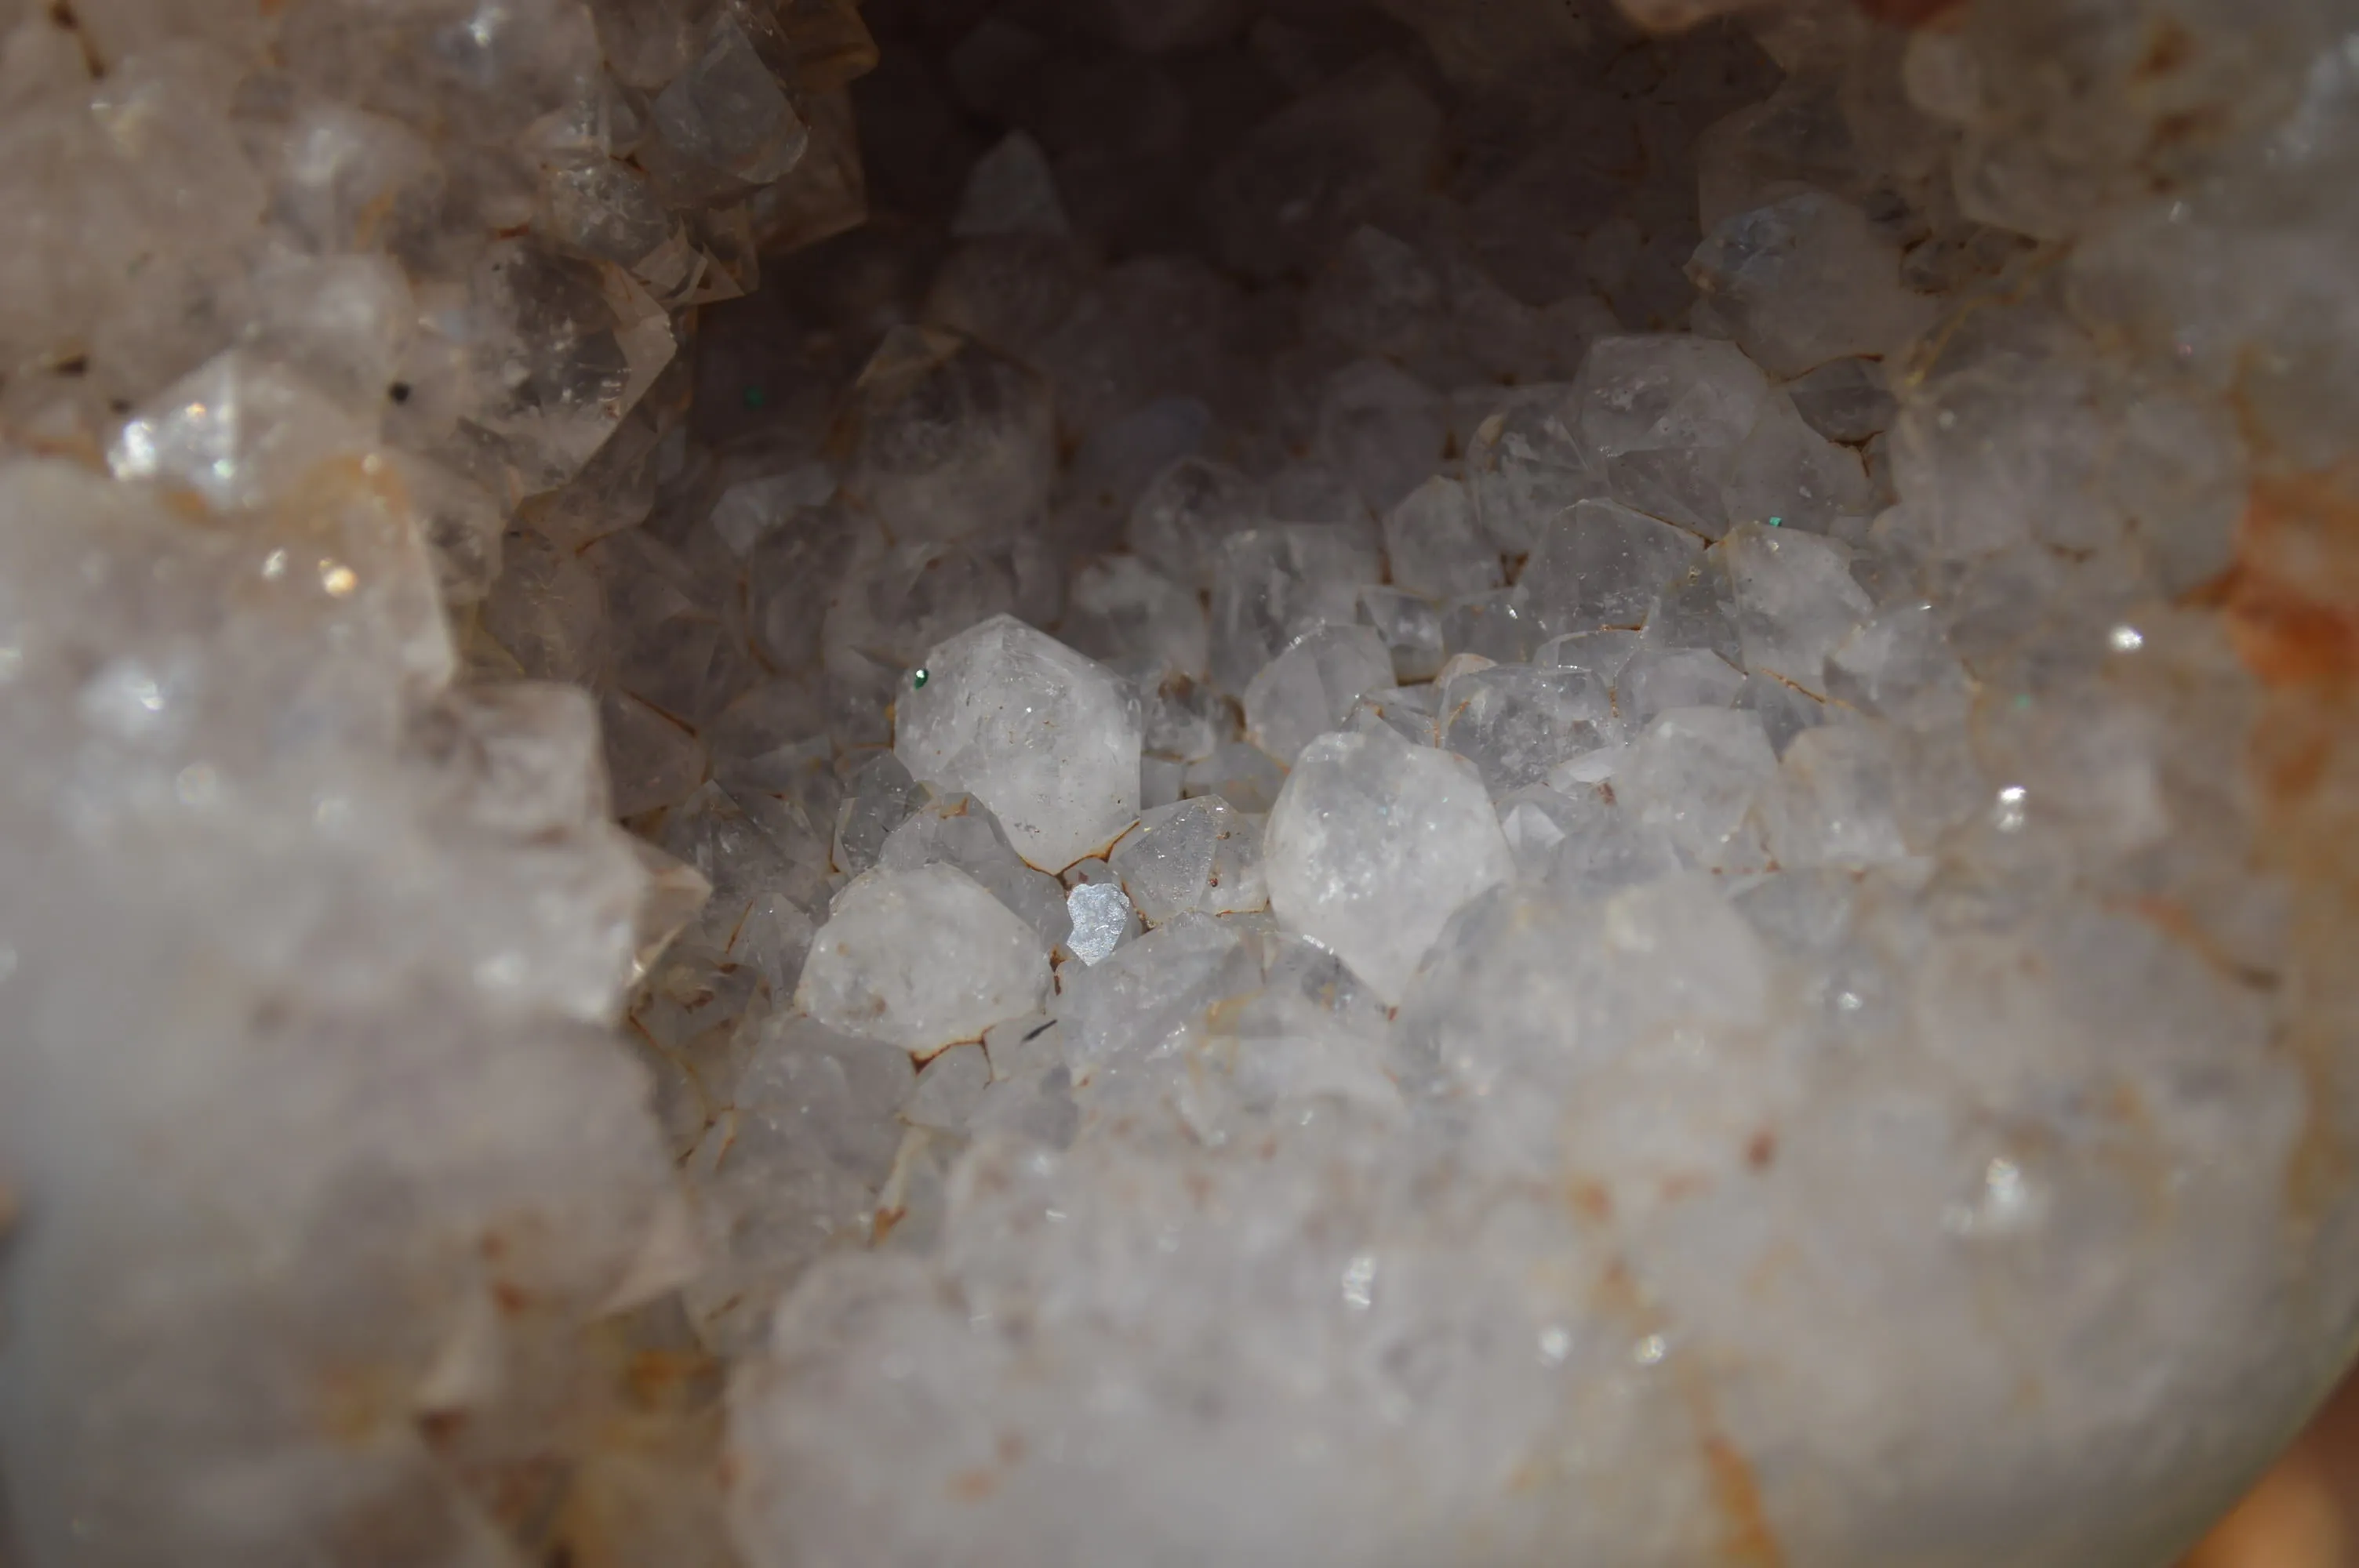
point(1413, 783)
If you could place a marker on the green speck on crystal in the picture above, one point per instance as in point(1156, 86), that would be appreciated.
point(1777, 521)
point(756, 398)
point(2023, 699)
point(918, 679)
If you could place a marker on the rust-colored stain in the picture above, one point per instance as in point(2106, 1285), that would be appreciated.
point(973, 1485)
point(2292, 598)
point(2169, 48)
point(1591, 1201)
point(2291, 604)
point(654, 1376)
point(1737, 1495)
point(1746, 1538)
point(2178, 922)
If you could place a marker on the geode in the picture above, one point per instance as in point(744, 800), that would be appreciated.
point(1055, 781)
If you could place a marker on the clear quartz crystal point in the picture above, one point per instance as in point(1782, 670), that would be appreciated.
point(922, 959)
point(1047, 739)
point(1372, 843)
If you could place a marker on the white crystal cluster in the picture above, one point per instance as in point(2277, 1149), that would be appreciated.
point(329, 1177)
point(1402, 783)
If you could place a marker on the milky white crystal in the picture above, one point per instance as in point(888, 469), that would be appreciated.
point(922, 959)
point(1372, 845)
point(1047, 739)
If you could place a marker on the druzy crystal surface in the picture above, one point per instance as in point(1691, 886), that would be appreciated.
point(1023, 783)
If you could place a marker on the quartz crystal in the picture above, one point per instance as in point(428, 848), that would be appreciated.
point(1100, 919)
point(960, 830)
point(1372, 843)
point(1433, 546)
point(1274, 584)
point(954, 439)
point(922, 959)
point(1307, 690)
point(1145, 998)
point(1047, 739)
point(1600, 564)
point(1806, 281)
point(1249, 782)
point(1199, 854)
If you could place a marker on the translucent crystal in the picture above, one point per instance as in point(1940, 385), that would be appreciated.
point(1273, 585)
point(1499, 626)
point(1655, 680)
point(1100, 919)
point(1839, 806)
point(1898, 665)
point(1646, 395)
point(1529, 461)
point(793, 1168)
point(237, 431)
point(1238, 771)
point(1970, 812)
point(878, 800)
point(1533, 820)
point(1311, 173)
point(1519, 723)
point(1696, 775)
point(1796, 602)
point(1185, 512)
point(1601, 654)
point(1410, 712)
point(726, 113)
point(1432, 544)
point(1807, 280)
point(1047, 739)
point(1011, 190)
point(1199, 854)
point(1372, 845)
point(1844, 399)
point(1382, 429)
point(764, 902)
point(922, 959)
point(1121, 611)
point(1601, 565)
point(1311, 1034)
point(947, 1089)
point(954, 439)
point(654, 759)
point(1307, 690)
point(960, 830)
point(1147, 995)
point(1410, 627)
point(1785, 475)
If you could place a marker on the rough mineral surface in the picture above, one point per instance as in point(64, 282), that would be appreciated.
point(1030, 783)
